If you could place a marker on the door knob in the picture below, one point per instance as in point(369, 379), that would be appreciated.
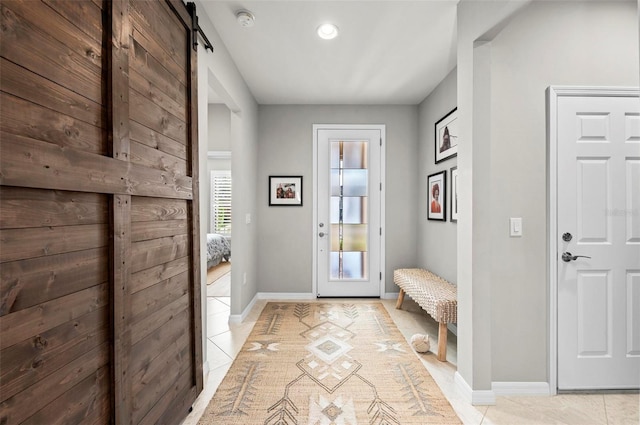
point(321, 234)
point(566, 257)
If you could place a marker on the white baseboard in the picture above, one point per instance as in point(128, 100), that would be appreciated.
point(520, 388)
point(239, 318)
point(390, 296)
point(273, 296)
point(269, 296)
point(475, 397)
point(488, 397)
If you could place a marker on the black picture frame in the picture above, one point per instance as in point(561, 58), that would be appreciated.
point(446, 134)
point(437, 196)
point(285, 191)
point(454, 194)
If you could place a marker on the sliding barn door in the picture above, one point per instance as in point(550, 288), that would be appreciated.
point(99, 255)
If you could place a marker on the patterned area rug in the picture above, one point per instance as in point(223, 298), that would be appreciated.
point(325, 364)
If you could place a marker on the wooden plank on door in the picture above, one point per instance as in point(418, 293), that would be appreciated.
point(155, 158)
point(30, 86)
point(148, 277)
point(29, 361)
point(24, 208)
point(24, 404)
point(152, 139)
point(27, 323)
point(118, 123)
point(36, 242)
point(24, 118)
point(151, 209)
point(86, 402)
point(26, 42)
point(158, 26)
point(155, 73)
point(147, 89)
point(27, 283)
point(30, 163)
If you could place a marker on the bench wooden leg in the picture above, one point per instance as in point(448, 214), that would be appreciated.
point(442, 342)
point(400, 298)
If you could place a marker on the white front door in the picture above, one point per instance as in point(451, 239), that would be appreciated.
point(348, 205)
point(598, 241)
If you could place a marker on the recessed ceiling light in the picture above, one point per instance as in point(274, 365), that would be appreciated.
point(327, 31)
point(245, 18)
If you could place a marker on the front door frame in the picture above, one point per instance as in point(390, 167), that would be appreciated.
point(553, 93)
point(314, 228)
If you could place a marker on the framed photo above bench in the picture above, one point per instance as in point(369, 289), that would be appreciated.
point(437, 196)
point(447, 136)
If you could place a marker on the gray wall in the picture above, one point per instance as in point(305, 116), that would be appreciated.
point(218, 71)
point(437, 240)
point(548, 43)
point(504, 67)
point(474, 286)
point(285, 235)
point(219, 139)
point(219, 127)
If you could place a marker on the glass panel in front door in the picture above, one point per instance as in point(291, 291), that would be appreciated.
point(349, 235)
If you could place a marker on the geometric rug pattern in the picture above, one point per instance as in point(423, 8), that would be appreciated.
point(327, 364)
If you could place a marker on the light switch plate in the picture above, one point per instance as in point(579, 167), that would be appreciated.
point(515, 227)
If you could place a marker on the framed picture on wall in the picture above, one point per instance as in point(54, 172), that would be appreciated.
point(447, 136)
point(285, 191)
point(437, 199)
point(454, 194)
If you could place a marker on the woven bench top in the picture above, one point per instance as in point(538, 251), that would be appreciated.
point(435, 295)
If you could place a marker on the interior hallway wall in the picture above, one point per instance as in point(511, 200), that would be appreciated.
point(218, 71)
point(285, 235)
point(548, 43)
point(437, 240)
point(473, 377)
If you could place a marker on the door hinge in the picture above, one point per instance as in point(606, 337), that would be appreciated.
point(380, 187)
point(380, 275)
point(381, 141)
point(381, 231)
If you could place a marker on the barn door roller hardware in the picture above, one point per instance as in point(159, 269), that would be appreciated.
point(195, 27)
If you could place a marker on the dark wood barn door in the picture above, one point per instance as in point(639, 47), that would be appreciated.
point(99, 239)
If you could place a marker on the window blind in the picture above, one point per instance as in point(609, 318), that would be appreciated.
point(221, 202)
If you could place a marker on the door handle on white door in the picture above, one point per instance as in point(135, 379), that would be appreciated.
point(321, 234)
point(566, 257)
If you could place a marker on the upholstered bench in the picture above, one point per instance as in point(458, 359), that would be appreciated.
point(435, 295)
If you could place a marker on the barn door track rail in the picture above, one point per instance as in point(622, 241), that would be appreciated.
point(195, 27)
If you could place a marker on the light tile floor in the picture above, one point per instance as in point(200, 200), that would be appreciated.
point(225, 340)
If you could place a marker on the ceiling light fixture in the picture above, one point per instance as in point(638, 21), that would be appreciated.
point(327, 31)
point(245, 18)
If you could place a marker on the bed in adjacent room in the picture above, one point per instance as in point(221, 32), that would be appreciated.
point(218, 249)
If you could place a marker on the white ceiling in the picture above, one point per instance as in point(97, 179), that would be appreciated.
point(388, 51)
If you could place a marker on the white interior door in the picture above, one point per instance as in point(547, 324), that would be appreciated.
point(598, 242)
point(348, 230)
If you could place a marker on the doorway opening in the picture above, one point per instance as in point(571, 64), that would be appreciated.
point(217, 193)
